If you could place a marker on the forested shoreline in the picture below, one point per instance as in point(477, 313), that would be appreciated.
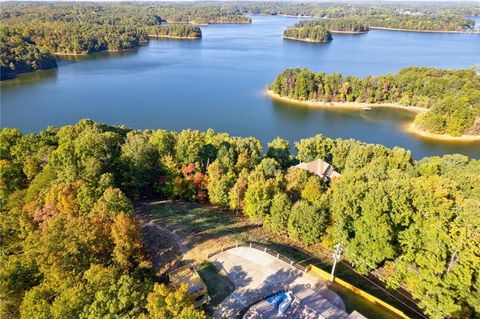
point(71, 247)
point(317, 34)
point(319, 30)
point(336, 25)
point(179, 31)
point(34, 33)
point(452, 97)
point(396, 15)
point(19, 54)
point(42, 30)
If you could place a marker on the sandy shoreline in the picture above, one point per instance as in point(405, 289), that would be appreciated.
point(409, 128)
point(69, 54)
point(344, 105)
point(422, 31)
point(349, 32)
point(305, 40)
point(172, 37)
point(60, 54)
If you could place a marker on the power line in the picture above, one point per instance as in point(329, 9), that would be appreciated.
point(402, 302)
point(396, 290)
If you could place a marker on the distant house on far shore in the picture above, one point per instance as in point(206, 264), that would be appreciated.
point(320, 168)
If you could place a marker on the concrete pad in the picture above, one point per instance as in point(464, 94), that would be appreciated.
point(255, 274)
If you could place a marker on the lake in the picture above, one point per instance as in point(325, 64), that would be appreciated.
point(217, 82)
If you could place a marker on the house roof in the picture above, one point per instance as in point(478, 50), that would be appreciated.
point(320, 168)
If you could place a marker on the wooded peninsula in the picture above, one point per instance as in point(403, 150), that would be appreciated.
point(32, 34)
point(451, 98)
point(71, 248)
point(177, 31)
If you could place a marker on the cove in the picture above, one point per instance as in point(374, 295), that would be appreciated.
point(218, 82)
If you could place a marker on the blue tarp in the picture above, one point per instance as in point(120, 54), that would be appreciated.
point(281, 301)
point(277, 299)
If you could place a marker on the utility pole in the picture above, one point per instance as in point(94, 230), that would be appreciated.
point(336, 257)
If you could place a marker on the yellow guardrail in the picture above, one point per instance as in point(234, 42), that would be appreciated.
point(326, 276)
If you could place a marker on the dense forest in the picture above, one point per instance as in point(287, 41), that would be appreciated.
point(336, 25)
point(318, 30)
point(82, 28)
point(308, 33)
point(452, 97)
point(19, 54)
point(33, 32)
point(70, 244)
point(427, 16)
point(409, 21)
point(404, 21)
point(175, 31)
point(339, 9)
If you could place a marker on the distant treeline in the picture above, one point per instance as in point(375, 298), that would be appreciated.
point(363, 23)
point(342, 24)
point(38, 30)
point(395, 10)
point(70, 246)
point(388, 21)
point(176, 30)
point(452, 97)
point(411, 16)
point(419, 22)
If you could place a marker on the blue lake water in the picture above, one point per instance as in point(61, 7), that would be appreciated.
point(217, 82)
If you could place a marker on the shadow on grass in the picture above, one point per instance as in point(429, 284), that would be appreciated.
point(196, 221)
point(219, 286)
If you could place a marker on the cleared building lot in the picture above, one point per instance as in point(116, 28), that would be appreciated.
point(257, 275)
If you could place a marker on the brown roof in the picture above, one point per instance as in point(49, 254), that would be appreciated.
point(320, 168)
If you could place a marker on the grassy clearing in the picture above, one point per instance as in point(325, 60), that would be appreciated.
point(365, 307)
point(208, 229)
point(219, 286)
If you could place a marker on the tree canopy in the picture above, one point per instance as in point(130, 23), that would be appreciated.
point(308, 33)
point(70, 244)
point(175, 31)
point(31, 34)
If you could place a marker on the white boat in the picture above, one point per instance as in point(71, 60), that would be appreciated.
point(367, 108)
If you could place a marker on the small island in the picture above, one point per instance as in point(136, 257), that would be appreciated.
point(447, 102)
point(316, 34)
point(176, 31)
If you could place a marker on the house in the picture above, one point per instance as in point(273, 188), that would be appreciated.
point(320, 168)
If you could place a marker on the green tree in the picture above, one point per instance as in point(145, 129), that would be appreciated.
point(219, 184)
point(306, 223)
point(279, 150)
point(164, 304)
point(279, 213)
point(139, 163)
